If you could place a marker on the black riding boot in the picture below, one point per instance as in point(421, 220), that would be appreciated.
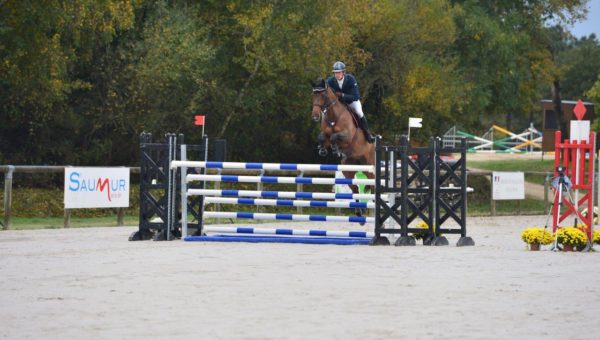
point(362, 123)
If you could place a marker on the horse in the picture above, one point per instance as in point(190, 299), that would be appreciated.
point(340, 132)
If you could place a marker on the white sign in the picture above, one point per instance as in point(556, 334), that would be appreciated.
point(580, 130)
point(508, 185)
point(415, 122)
point(96, 187)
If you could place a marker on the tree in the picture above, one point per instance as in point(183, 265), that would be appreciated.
point(506, 53)
point(594, 94)
point(91, 75)
point(408, 71)
point(42, 42)
point(152, 78)
point(582, 66)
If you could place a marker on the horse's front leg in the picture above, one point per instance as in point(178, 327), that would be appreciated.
point(324, 143)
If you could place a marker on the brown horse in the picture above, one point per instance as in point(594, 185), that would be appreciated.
point(339, 131)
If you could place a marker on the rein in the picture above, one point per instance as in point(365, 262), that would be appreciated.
point(325, 109)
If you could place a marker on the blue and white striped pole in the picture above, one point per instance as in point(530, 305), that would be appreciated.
point(273, 166)
point(289, 232)
point(289, 203)
point(289, 217)
point(281, 180)
point(280, 194)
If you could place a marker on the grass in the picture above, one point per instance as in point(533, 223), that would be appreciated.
point(525, 165)
point(527, 207)
point(27, 223)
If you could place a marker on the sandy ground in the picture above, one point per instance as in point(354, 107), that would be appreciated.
point(93, 283)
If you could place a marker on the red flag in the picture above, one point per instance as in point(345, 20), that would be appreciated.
point(199, 120)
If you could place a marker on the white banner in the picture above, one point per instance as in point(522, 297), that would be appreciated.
point(96, 187)
point(508, 185)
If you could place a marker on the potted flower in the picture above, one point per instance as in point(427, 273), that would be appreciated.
point(420, 235)
point(535, 237)
point(583, 228)
point(596, 238)
point(571, 237)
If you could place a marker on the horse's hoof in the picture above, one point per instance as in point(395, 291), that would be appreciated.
point(322, 152)
point(360, 211)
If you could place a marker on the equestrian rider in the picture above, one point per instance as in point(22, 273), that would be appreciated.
point(346, 88)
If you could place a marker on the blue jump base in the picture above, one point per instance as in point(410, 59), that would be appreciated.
point(280, 239)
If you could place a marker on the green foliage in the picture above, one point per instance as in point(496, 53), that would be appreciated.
point(409, 72)
point(42, 45)
point(582, 67)
point(506, 58)
point(80, 79)
point(594, 94)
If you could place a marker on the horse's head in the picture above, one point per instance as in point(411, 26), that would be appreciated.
point(319, 99)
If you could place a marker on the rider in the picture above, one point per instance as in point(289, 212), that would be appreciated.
point(346, 88)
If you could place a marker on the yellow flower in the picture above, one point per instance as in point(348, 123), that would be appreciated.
point(421, 234)
point(596, 236)
point(572, 235)
point(536, 235)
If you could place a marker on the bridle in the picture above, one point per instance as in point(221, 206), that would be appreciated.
point(324, 108)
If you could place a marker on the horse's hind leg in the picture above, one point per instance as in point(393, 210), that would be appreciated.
point(370, 175)
point(334, 146)
point(359, 212)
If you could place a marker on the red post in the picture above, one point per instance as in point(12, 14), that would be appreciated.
point(557, 157)
point(573, 156)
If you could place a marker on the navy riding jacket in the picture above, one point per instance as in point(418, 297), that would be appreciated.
point(349, 88)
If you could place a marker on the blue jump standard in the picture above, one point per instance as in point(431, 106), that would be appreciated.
point(280, 239)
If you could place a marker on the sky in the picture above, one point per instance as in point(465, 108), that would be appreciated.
point(591, 24)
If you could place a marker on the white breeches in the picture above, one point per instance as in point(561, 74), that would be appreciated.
point(357, 107)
